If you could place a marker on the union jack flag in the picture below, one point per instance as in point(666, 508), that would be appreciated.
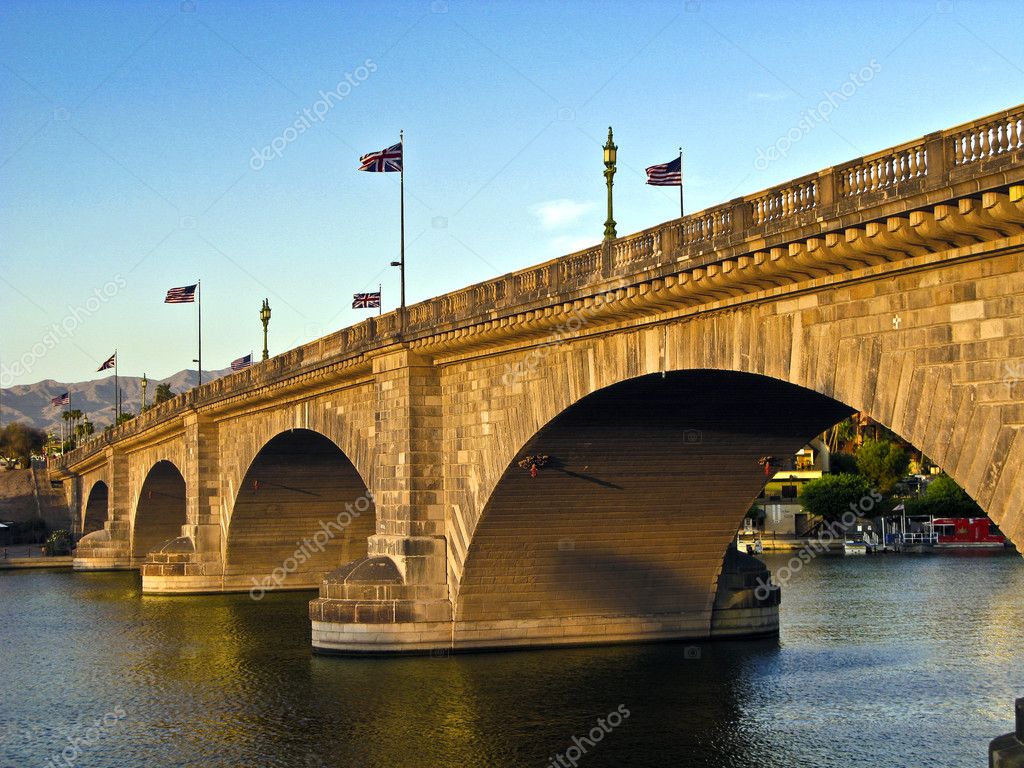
point(666, 174)
point(184, 295)
point(60, 400)
point(108, 363)
point(366, 300)
point(241, 363)
point(386, 160)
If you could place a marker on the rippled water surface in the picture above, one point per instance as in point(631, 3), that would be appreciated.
point(883, 661)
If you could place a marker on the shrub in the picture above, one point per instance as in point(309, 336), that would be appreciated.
point(59, 543)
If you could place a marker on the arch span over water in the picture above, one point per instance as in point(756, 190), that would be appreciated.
point(301, 511)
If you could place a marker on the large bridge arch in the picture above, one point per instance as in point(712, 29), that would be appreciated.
point(938, 376)
point(96, 509)
point(301, 510)
point(160, 509)
point(645, 484)
point(344, 417)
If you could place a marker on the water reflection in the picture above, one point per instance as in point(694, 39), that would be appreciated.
point(882, 661)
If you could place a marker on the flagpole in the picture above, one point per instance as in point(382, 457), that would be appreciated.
point(380, 303)
point(681, 214)
point(199, 317)
point(117, 392)
point(401, 189)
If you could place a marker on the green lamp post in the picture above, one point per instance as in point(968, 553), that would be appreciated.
point(265, 318)
point(609, 171)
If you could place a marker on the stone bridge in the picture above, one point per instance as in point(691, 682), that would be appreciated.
point(389, 464)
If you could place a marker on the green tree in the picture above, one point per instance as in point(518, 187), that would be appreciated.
point(944, 498)
point(843, 464)
point(163, 394)
point(20, 442)
point(830, 496)
point(883, 463)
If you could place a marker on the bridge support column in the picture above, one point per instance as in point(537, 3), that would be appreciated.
point(397, 598)
point(110, 548)
point(193, 562)
point(1008, 751)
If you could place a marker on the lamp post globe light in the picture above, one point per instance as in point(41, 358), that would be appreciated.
point(265, 318)
point(610, 153)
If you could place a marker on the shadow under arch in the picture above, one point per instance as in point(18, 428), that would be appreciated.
point(160, 511)
point(97, 507)
point(302, 509)
point(645, 485)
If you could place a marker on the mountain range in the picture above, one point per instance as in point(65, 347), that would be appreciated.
point(31, 402)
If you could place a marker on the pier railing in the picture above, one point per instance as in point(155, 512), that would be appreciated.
point(987, 145)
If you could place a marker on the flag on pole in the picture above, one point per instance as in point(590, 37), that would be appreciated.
point(110, 362)
point(667, 174)
point(366, 300)
point(60, 400)
point(899, 508)
point(184, 295)
point(384, 161)
point(241, 363)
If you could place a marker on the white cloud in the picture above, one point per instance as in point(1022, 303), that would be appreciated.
point(558, 214)
point(770, 95)
point(565, 244)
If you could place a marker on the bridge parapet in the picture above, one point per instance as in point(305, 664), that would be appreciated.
point(868, 189)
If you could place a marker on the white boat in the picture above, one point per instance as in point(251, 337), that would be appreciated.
point(854, 547)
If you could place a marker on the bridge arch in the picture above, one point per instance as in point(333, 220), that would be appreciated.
point(302, 509)
point(160, 510)
point(639, 491)
point(872, 346)
point(97, 507)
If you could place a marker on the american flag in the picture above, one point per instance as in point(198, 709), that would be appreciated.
point(108, 363)
point(389, 159)
point(60, 400)
point(366, 300)
point(667, 174)
point(184, 295)
point(241, 363)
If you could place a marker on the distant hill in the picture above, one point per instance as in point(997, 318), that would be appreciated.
point(31, 402)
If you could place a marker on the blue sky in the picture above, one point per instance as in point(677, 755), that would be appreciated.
point(131, 135)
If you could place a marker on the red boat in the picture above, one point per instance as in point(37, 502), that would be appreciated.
point(966, 533)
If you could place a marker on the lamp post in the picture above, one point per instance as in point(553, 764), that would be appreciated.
point(265, 318)
point(609, 171)
point(145, 383)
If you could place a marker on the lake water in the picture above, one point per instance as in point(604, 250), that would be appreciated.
point(882, 661)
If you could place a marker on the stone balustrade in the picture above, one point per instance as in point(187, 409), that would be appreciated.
point(986, 145)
